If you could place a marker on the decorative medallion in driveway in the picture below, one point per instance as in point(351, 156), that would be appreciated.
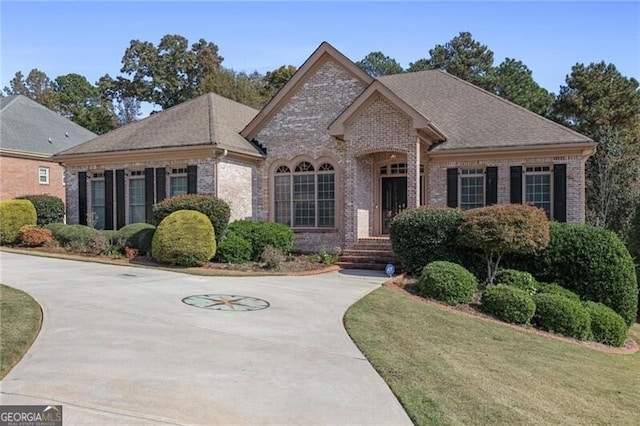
point(118, 346)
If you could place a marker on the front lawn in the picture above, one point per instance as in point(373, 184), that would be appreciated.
point(447, 368)
point(20, 319)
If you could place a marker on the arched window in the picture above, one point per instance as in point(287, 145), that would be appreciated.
point(305, 198)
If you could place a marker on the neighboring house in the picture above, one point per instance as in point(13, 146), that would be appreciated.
point(29, 136)
point(336, 154)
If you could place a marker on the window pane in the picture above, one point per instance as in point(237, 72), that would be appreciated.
point(178, 185)
point(304, 206)
point(326, 200)
point(471, 192)
point(43, 175)
point(282, 196)
point(136, 201)
point(97, 204)
point(538, 191)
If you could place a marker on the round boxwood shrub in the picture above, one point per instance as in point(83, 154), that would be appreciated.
point(423, 235)
point(447, 282)
point(234, 249)
point(560, 315)
point(510, 304)
point(216, 209)
point(593, 263)
point(184, 238)
point(74, 236)
point(49, 208)
point(519, 279)
point(15, 214)
point(554, 288)
point(137, 236)
point(262, 235)
point(34, 236)
point(606, 326)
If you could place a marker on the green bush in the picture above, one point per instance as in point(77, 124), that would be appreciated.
point(423, 235)
point(263, 234)
point(553, 288)
point(14, 214)
point(590, 261)
point(55, 227)
point(560, 315)
point(137, 236)
point(49, 209)
point(510, 304)
point(74, 236)
point(216, 209)
point(184, 238)
point(606, 326)
point(447, 282)
point(519, 279)
point(111, 236)
point(234, 249)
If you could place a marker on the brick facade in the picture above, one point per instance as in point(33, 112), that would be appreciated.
point(237, 182)
point(20, 177)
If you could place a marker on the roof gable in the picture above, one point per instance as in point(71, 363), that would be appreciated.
point(30, 128)
point(319, 56)
point(209, 119)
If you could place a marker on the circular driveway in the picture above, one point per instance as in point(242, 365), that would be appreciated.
point(118, 346)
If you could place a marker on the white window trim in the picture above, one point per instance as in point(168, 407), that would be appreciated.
point(548, 171)
point(46, 175)
point(174, 173)
point(479, 172)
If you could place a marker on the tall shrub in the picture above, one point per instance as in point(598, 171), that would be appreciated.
point(501, 229)
point(216, 209)
point(184, 238)
point(423, 235)
point(14, 214)
point(49, 208)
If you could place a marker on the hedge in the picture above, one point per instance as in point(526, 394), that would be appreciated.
point(262, 235)
point(234, 249)
point(137, 236)
point(184, 238)
point(423, 235)
point(561, 315)
point(553, 288)
point(15, 214)
point(75, 236)
point(49, 209)
point(606, 326)
point(447, 282)
point(519, 279)
point(510, 304)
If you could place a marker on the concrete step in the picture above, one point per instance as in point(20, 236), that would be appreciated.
point(367, 259)
point(368, 266)
point(368, 252)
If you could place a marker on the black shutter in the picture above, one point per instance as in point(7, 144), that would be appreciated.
point(560, 192)
point(161, 184)
point(516, 184)
point(120, 206)
point(148, 194)
point(491, 191)
point(82, 198)
point(108, 199)
point(452, 187)
point(192, 179)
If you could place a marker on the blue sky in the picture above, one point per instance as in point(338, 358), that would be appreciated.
point(90, 38)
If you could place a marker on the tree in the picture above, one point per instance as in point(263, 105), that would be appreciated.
point(377, 63)
point(462, 56)
point(276, 79)
point(119, 92)
point(501, 229)
point(36, 86)
point(170, 73)
point(612, 180)
point(248, 89)
point(512, 80)
point(598, 95)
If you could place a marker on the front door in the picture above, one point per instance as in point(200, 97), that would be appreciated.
point(394, 199)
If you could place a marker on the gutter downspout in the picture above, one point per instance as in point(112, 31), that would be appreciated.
point(217, 172)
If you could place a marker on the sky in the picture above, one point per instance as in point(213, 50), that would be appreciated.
point(90, 38)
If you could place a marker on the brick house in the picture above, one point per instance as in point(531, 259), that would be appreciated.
point(336, 154)
point(29, 136)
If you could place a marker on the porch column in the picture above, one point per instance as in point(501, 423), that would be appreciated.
point(413, 175)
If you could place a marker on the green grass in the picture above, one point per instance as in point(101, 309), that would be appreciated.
point(447, 368)
point(20, 319)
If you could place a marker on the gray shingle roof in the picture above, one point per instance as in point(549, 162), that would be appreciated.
point(209, 119)
point(472, 117)
point(26, 126)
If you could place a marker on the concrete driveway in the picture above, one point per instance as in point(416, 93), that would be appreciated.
point(118, 346)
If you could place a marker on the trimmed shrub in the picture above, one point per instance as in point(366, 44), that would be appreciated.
point(216, 209)
point(510, 304)
point(184, 238)
point(553, 288)
point(519, 279)
point(234, 249)
point(98, 244)
point(137, 236)
point(606, 326)
point(14, 214)
point(55, 227)
point(447, 282)
point(560, 315)
point(593, 263)
point(49, 208)
point(112, 236)
point(74, 236)
point(263, 234)
point(35, 236)
point(423, 235)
